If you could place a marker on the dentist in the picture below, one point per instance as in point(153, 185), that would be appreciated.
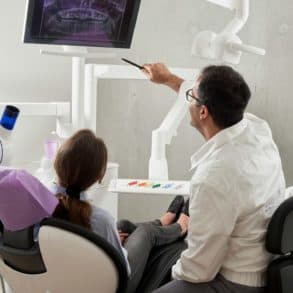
point(236, 186)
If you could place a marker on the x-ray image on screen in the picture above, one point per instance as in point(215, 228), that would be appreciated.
point(107, 23)
point(83, 19)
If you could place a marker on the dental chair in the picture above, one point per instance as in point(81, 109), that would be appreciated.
point(21, 264)
point(78, 260)
point(70, 258)
point(279, 241)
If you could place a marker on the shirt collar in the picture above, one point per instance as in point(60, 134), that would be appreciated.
point(60, 189)
point(222, 137)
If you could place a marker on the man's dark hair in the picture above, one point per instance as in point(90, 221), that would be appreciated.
point(225, 93)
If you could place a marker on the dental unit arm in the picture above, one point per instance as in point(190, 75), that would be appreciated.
point(158, 166)
point(226, 45)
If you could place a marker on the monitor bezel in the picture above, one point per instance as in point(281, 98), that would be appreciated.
point(27, 39)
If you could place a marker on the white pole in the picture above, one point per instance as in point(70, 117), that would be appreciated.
point(78, 68)
point(90, 98)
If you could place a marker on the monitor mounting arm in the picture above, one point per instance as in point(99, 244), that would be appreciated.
point(79, 56)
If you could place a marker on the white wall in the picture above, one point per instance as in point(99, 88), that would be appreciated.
point(25, 75)
point(129, 110)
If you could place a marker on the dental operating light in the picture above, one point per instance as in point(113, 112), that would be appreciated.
point(226, 46)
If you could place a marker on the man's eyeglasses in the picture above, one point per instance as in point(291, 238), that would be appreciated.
point(190, 97)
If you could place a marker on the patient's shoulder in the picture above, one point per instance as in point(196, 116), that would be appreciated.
point(101, 218)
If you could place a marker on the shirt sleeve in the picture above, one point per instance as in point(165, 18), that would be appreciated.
point(212, 218)
point(185, 86)
point(103, 224)
point(289, 192)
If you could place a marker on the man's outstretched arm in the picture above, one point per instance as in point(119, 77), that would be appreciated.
point(160, 74)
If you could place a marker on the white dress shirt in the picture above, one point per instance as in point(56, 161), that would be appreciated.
point(237, 185)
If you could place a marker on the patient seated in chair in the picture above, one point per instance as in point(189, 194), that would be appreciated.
point(80, 162)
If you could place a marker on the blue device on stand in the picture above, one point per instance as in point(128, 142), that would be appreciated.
point(9, 117)
point(7, 123)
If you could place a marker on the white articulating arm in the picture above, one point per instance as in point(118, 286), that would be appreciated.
point(226, 46)
point(246, 48)
point(57, 109)
point(231, 4)
point(158, 167)
point(241, 17)
point(241, 8)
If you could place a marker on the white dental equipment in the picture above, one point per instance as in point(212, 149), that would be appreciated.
point(158, 167)
point(79, 57)
point(226, 45)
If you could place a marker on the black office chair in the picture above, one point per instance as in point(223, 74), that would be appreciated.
point(73, 259)
point(279, 241)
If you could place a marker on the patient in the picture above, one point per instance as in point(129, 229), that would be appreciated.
point(80, 162)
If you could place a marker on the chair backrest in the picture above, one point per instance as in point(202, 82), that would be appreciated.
point(21, 263)
point(78, 260)
point(279, 241)
point(19, 251)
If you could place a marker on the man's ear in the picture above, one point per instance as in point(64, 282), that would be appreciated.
point(204, 112)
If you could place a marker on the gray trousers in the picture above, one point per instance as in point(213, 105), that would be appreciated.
point(218, 285)
point(140, 243)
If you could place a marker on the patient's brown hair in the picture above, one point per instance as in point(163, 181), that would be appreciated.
point(80, 162)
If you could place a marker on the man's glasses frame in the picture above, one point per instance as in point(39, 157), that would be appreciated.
point(190, 97)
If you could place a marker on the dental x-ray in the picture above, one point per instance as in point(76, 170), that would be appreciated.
point(105, 23)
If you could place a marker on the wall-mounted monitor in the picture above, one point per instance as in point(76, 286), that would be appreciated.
point(98, 23)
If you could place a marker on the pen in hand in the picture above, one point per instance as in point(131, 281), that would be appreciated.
point(132, 63)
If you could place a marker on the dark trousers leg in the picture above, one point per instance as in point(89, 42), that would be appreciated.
point(127, 226)
point(159, 265)
point(218, 285)
point(140, 243)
